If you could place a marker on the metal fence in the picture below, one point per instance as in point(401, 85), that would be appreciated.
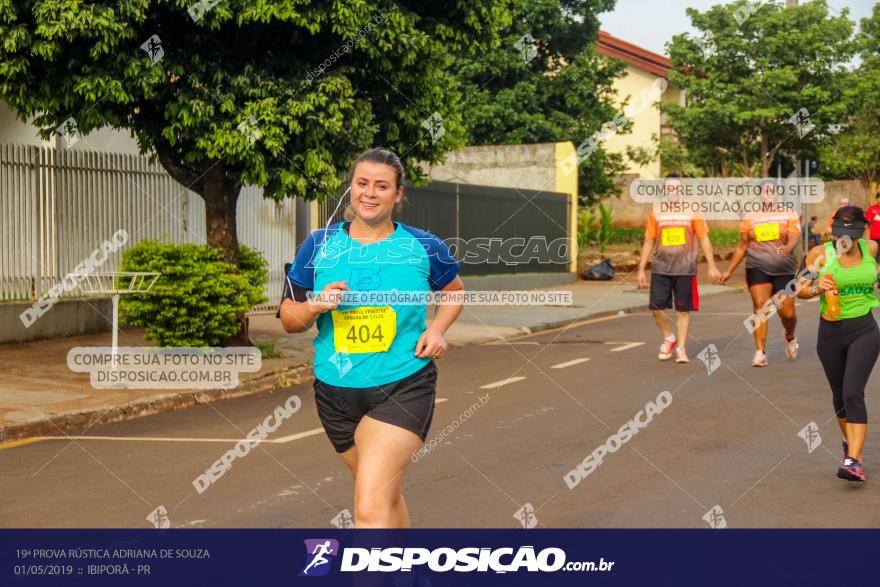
point(269, 227)
point(58, 206)
point(466, 211)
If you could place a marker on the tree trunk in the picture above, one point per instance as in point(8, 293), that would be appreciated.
point(766, 155)
point(221, 198)
point(220, 195)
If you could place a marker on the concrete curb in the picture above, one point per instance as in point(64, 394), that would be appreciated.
point(73, 422)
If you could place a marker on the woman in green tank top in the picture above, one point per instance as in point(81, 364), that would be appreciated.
point(854, 283)
point(848, 340)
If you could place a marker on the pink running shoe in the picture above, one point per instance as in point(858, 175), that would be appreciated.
point(666, 349)
point(851, 470)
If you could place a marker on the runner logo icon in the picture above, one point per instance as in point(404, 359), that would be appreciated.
point(320, 554)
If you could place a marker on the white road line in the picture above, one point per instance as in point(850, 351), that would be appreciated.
point(560, 328)
point(144, 438)
point(497, 384)
point(281, 440)
point(570, 363)
point(624, 346)
point(297, 436)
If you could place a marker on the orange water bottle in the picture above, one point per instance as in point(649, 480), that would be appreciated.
point(832, 300)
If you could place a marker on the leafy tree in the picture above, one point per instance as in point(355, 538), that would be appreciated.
point(272, 93)
point(548, 86)
point(854, 151)
point(674, 158)
point(748, 73)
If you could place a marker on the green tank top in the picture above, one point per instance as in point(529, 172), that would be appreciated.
point(854, 284)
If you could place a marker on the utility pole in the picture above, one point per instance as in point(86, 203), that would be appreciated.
point(805, 220)
point(303, 219)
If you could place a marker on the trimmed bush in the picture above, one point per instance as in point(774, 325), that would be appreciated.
point(198, 298)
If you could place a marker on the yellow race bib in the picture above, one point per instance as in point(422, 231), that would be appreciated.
point(672, 236)
point(367, 329)
point(767, 232)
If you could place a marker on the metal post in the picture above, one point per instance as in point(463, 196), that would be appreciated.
point(303, 212)
point(115, 327)
point(457, 211)
point(805, 223)
point(34, 155)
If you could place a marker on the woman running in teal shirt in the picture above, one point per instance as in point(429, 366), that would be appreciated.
point(375, 378)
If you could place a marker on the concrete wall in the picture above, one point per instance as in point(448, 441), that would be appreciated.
point(834, 190)
point(14, 131)
point(65, 318)
point(534, 167)
point(531, 167)
point(17, 132)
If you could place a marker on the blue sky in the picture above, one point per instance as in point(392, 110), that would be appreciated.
point(652, 23)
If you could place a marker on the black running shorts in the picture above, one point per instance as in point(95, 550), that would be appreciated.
point(682, 287)
point(755, 276)
point(407, 403)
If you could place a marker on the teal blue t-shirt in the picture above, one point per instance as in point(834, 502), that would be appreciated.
point(368, 343)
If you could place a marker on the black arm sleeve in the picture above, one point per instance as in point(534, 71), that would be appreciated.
point(291, 291)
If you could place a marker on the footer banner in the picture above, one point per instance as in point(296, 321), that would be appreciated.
point(422, 558)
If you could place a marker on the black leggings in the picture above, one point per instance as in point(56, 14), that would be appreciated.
point(848, 349)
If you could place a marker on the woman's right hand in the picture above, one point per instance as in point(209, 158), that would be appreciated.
point(329, 298)
point(825, 283)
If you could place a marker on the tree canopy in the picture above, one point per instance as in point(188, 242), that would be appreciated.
point(763, 84)
point(854, 150)
point(271, 93)
point(545, 83)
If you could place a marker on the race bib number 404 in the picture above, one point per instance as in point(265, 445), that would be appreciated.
point(368, 329)
point(672, 236)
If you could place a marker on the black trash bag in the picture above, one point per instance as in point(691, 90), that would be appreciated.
point(601, 271)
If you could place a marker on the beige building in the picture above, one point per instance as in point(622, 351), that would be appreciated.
point(643, 84)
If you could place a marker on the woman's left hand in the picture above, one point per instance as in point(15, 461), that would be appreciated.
point(431, 345)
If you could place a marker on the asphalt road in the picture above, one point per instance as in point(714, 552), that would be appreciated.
point(727, 439)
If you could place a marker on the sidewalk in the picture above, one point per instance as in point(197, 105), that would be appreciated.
point(40, 395)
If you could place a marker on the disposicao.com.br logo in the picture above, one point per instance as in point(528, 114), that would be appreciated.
point(321, 553)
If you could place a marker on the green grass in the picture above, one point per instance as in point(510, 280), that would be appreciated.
point(267, 349)
point(627, 235)
point(727, 238)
